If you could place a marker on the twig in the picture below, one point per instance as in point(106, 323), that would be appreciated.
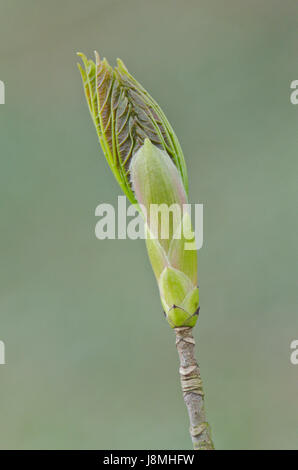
point(192, 389)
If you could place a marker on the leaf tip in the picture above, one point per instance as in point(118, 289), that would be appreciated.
point(97, 58)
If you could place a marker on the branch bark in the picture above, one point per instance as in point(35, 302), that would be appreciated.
point(192, 389)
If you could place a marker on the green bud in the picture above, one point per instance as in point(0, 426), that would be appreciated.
point(156, 181)
point(157, 185)
point(146, 159)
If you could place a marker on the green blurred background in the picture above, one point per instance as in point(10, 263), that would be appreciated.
point(91, 364)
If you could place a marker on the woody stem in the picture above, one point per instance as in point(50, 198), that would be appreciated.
point(192, 389)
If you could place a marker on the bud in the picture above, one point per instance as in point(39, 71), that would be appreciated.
point(156, 182)
point(145, 156)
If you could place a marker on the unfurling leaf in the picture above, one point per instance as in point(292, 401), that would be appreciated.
point(124, 115)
